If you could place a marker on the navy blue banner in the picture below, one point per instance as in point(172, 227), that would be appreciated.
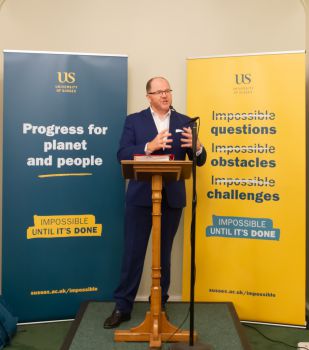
point(62, 186)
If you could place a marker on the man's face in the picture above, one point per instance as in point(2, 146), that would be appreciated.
point(160, 102)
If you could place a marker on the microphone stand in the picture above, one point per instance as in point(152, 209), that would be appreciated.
point(191, 345)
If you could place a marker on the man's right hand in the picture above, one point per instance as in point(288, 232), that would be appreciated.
point(161, 141)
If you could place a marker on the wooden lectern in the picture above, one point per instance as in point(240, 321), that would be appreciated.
point(155, 328)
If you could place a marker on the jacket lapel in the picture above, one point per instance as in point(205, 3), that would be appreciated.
point(150, 126)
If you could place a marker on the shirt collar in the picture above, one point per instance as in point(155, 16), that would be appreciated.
point(155, 115)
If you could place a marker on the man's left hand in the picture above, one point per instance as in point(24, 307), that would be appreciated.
point(187, 139)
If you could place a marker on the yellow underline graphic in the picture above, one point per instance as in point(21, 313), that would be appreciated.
point(66, 174)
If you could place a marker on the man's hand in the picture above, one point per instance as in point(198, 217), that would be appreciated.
point(187, 139)
point(160, 141)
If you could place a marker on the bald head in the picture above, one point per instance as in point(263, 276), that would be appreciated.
point(150, 81)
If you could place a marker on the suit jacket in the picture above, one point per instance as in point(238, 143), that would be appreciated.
point(139, 129)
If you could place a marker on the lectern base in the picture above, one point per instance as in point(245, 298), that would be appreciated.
point(147, 331)
point(186, 346)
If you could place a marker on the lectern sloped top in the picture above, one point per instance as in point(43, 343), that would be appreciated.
point(173, 170)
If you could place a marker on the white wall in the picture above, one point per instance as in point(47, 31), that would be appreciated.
point(157, 36)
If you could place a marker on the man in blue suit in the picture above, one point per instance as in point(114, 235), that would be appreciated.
point(156, 130)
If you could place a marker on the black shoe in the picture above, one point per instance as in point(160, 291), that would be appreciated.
point(116, 318)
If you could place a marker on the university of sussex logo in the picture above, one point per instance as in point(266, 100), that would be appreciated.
point(66, 83)
point(66, 77)
point(243, 78)
point(244, 84)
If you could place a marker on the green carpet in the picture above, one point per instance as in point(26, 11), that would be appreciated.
point(50, 336)
point(279, 338)
point(44, 336)
point(216, 324)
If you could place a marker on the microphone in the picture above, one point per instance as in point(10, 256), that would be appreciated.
point(191, 121)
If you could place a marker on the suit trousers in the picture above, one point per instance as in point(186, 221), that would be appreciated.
point(138, 223)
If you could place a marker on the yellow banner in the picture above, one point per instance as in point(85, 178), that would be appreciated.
point(250, 233)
